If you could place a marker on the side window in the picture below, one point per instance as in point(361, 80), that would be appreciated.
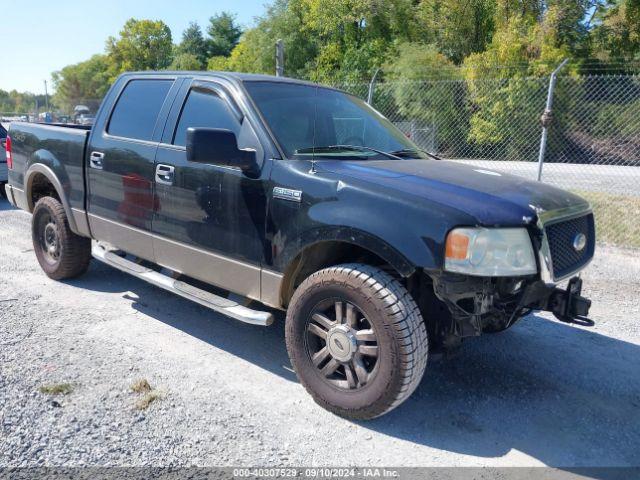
point(203, 108)
point(136, 112)
point(3, 132)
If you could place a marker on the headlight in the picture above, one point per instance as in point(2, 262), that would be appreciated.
point(490, 252)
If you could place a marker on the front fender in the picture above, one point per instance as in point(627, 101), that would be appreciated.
point(349, 235)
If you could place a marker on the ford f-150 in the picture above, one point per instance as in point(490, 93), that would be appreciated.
point(237, 191)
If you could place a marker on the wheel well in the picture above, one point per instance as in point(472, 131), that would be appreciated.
point(41, 187)
point(326, 254)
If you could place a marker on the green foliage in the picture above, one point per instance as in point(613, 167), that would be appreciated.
point(458, 29)
point(617, 35)
point(83, 83)
point(224, 34)
point(19, 102)
point(186, 62)
point(141, 45)
point(500, 97)
point(434, 105)
point(194, 44)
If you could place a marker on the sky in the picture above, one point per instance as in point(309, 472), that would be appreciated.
point(42, 36)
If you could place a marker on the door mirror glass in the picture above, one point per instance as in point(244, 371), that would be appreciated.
point(218, 146)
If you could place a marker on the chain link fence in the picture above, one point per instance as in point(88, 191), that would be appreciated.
point(593, 146)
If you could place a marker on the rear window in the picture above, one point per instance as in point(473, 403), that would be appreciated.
point(137, 109)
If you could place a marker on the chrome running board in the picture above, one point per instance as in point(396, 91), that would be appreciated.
point(214, 302)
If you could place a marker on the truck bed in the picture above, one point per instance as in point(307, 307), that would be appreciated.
point(59, 147)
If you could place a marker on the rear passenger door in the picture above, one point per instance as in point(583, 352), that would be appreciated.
point(210, 219)
point(121, 193)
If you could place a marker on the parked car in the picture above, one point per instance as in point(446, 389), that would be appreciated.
point(86, 119)
point(3, 159)
point(305, 199)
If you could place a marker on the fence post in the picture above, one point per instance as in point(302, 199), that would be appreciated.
point(372, 86)
point(547, 116)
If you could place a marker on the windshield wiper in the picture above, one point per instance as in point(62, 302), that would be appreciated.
point(409, 153)
point(354, 148)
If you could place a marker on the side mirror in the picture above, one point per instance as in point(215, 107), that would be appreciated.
point(218, 147)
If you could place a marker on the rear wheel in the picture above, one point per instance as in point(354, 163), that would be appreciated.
point(61, 253)
point(357, 340)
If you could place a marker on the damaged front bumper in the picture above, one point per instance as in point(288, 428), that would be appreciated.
point(478, 305)
point(567, 305)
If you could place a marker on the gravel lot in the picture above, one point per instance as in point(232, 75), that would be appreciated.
point(541, 393)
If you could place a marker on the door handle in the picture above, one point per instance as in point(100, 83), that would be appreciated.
point(165, 174)
point(95, 160)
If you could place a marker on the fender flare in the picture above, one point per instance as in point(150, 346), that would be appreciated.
point(49, 174)
point(360, 238)
point(341, 234)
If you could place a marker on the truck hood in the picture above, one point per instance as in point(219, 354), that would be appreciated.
point(492, 198)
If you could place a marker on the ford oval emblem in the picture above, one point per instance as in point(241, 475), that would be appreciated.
point(579, 242)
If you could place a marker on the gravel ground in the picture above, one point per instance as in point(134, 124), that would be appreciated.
point(543, 393)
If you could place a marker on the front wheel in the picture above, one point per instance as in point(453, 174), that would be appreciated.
point(61, 253)
point(356, 340)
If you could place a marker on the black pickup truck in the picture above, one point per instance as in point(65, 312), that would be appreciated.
point(228, 188)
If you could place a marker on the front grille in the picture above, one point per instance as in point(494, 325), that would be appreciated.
point(561, 237)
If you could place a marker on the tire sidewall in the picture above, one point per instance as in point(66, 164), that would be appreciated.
point(386, 383)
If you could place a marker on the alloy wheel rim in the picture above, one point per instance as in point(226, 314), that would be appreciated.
point(342, 344)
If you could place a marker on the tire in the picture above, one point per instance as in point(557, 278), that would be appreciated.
point(61, 253)
point(372, 304)
point(3, 192)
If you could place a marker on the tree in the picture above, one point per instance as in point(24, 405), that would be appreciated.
point(433, 103)
point(82, 83)
point(186, 62)
point(141, 45)
point(617, 34)
point(224, 34)
point(19, 102)
point(506, 102)
point(193, 43)
point(457, 27)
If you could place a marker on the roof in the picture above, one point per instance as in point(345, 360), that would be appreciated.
point(234, 76)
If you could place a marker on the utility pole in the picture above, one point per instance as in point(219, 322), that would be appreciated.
point(279, 58)
point(46, 96)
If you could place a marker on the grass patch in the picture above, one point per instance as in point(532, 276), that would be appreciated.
point(617, 217)
point(56, 389)
point(149, 395)
point(144, 402)
point(141, 386)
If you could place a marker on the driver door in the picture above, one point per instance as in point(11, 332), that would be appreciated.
point(209, 221)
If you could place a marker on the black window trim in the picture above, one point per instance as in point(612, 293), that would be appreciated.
point(216, 88)
point(108, 136)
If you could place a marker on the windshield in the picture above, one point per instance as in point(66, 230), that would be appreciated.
point(310, 121)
